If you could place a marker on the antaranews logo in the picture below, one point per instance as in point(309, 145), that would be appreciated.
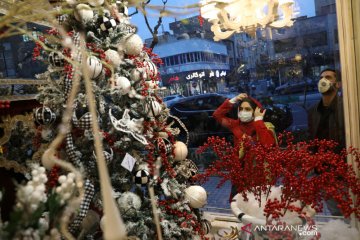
point(307, 230)
point(246, 228)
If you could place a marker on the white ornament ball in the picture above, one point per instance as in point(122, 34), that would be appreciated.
point(122, 84)
point(113, 57)
point(129, 201)
point(151, 69)
point(133, 45)
point(137, 74)
point(197, 196)
point(153, 108)
point(94, 67)
point(180, 151)
point(71, 2)
point(83, 12)
point(95, 3)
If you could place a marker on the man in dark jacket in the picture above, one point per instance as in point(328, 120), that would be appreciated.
point(326, 118)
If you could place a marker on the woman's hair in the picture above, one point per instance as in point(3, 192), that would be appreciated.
point(252, 104)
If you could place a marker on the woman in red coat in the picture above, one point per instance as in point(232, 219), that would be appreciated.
point(249, 123)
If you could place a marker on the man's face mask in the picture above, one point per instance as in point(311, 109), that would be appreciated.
point(245, 116)
point(324, 85)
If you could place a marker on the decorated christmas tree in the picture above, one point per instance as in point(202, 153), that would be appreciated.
point(102, 119)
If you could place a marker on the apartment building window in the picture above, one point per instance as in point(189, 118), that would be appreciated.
point(284, 45)
point(315, 39)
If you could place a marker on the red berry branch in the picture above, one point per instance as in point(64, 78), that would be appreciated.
point(309, 172)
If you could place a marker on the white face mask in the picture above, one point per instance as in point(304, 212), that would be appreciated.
point(324, 85)
point(245, 116)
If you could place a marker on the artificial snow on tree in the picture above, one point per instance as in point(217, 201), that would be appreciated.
point(149, 173)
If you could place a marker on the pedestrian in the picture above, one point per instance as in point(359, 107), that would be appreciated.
point(249, 123)
point(326, 117)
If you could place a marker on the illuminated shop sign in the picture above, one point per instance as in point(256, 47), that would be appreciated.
point(202, 74)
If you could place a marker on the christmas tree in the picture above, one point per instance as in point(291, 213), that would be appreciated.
point(102, 119)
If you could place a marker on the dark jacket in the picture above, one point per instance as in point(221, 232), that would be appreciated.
point(336, 121)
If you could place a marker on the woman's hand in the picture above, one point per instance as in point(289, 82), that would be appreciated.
point(238, 98)
point(258, 112)
point(241, 96)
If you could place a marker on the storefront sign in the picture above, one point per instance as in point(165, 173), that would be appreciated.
point(202, 74)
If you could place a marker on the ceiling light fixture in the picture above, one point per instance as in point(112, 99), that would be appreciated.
point(233, 16)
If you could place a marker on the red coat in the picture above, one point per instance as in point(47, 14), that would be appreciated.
point(256, 129)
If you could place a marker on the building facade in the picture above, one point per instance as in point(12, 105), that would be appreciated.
point(323, 7)
point(193, 65)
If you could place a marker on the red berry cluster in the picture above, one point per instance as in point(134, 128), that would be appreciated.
point(4, 104)
point(53, 177)
point(201, 20)
point(53, 31)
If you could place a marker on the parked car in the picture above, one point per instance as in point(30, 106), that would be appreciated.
point(306, 85)
point(171, 99)
point(196, 113)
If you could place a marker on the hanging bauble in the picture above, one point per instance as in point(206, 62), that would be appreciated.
point(133, 45)
point(196, 195)
point(129, 203)
point(122, 8)
point(47, 134)
point(137, 74)
point(56, 59)
point(83, 12)
point(206, 226)
point(107, 25)
point(186, 168)
point(94, 67)
point(141, 177)
point(122, 84)
point(163, 145)
point(180, 151)
point(113, 57)
point(150, 69)
point(96, 3)
point(153, 108)
point(44, 116)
